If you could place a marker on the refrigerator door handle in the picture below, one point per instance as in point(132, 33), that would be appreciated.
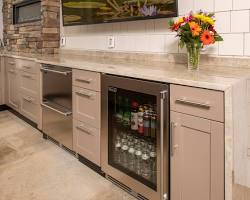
point(172, 146)
point(164, 196)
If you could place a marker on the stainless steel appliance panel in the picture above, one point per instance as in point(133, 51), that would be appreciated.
point(159, 91)
point(57, 104)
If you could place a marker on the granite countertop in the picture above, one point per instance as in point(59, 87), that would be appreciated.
point(216, 78)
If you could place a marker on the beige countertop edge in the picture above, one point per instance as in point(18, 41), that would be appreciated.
point(115, 69)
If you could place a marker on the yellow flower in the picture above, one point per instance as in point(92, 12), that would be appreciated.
point(180, 20)
point(204, 19)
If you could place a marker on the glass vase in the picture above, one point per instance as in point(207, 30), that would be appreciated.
point(193, 54)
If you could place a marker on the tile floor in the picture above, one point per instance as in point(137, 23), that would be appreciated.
point(35, 169)
point(32, 168)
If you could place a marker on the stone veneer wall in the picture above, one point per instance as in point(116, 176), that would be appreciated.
point(33, 37)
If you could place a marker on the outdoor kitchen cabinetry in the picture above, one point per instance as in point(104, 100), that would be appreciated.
point(12, 79)
point(197, 144)
point(87, 114)
point(2, 83)
point(23, 88)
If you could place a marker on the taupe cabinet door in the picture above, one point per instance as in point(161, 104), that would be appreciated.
point(197, 158)
point(12, 88)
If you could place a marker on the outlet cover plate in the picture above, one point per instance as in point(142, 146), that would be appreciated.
point(111, 42)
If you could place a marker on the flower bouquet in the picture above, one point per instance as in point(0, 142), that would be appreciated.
point(195, 32)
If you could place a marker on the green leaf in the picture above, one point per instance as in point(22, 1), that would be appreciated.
point(218, 38)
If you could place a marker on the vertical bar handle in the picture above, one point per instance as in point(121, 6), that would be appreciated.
point(164, 196)
point(172, 127)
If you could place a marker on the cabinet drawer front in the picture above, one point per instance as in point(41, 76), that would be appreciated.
point(204, 103)
point(87, 141)
point(28, 66)
point(10, 63)
point(86, 79)
point(29, 82)
point(29, 107)
point(87, 106)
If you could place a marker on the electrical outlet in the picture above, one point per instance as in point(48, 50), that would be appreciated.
point(111, 42)
point(63, 41)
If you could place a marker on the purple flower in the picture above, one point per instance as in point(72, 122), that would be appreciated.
point(148, 11)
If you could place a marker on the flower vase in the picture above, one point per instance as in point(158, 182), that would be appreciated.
point(193, 54)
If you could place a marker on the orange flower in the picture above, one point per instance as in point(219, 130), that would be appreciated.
point(207, 37)
point(195, 28)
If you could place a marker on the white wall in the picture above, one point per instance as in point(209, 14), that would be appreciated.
point(233, 22)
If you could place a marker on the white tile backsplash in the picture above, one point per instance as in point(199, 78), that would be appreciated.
point(206, 5)
point(241, 4)
point(223, 5)
point(240, 21)
point(185, 6)
point(233, 22)
point(232, 45)
point(223, 22)
point(247, 46)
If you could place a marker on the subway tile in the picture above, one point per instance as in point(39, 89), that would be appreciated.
point(247, 46)
point(211, 49)
point(241, 4)
point(205, 5)
point(156, 43)
point(240, 21)
point(125, 43)
point(232, 45)
point(222, 23)
point(223, 5)
point(150, 26)
point(141, 43)
point(185, 6)
point(136, 27)
point(161, 26)
point(171, 43)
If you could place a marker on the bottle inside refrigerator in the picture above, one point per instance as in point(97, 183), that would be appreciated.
point(132, 136)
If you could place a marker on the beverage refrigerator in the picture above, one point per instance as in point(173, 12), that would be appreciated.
point(135, 136)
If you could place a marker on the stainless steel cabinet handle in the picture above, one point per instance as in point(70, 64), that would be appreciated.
point(84, 80)
point(85, 94)
point(84, 129)
point(58, 111)
point(55, 71)
point(29, 99)
point(163, 96)
point(172, 127)
point(205, 105)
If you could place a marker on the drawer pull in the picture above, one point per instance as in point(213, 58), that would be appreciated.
point(26, 67)
point(84, 129)
point(85, 94)
point(27, 76)
point(193, 103)
point(28, 99)
point(11, 63)
point(84, 80)
point(12, 71)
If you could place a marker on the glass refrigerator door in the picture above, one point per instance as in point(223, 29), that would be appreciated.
point(132, 134)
